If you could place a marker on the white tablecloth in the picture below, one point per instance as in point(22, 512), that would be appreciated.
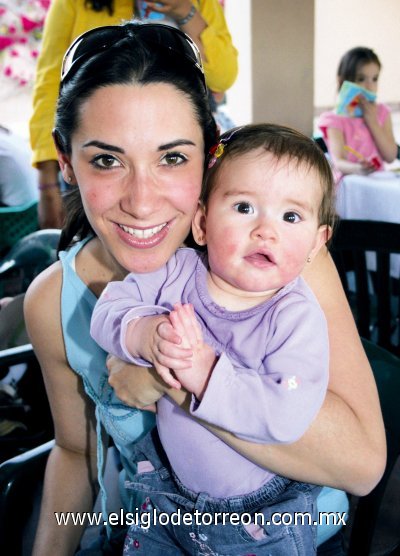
point(373, 197)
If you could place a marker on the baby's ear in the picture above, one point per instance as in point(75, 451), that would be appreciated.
point(323, 235)
point(199, 225)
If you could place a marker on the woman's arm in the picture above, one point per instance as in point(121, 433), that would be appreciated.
point(71, 473)
point(345, 445)
point(209, 30)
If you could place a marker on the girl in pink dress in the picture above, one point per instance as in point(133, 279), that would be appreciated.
point(359, 145)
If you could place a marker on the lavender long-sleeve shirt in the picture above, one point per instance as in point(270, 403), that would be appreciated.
point(267, 386)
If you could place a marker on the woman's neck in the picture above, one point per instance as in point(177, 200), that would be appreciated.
point(96, 267)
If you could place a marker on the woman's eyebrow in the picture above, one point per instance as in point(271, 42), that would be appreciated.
point(104, 146)
point(176, 143)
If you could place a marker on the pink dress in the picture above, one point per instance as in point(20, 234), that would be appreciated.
point(355, 132)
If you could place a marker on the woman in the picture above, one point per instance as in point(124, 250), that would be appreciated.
point(203, 20)
point(132, 129)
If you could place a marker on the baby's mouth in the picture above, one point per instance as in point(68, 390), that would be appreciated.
point(260, 257)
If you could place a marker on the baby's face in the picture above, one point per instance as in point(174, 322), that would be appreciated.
point(261, 224)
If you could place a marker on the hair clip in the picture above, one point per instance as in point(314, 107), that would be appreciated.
point(217, 150)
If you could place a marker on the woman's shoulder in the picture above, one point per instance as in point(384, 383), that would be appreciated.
point(44, 291)
point(42, 311)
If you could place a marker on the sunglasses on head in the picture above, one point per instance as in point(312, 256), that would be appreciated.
point(96, 40)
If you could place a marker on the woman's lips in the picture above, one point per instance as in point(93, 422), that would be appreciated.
point(143, 238)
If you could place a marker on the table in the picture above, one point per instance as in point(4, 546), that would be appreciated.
point(373, 197)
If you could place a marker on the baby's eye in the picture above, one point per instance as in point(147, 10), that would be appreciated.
point(105, 161)
point(173, 159)
point(291, 217)
point(244, 208)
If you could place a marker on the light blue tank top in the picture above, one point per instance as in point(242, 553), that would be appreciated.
point(124, 424)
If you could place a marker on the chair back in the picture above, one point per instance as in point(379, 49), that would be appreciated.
point(371, 511)
point(17, 222)
point(371, 288)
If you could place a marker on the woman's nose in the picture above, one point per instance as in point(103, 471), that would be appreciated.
point(141, 196)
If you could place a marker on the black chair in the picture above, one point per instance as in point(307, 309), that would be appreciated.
point(21, 476)
point(28, 409)
point(374, 295)
point(21, 480)
point(386, 369)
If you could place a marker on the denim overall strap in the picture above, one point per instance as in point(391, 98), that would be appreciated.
point(100, 471)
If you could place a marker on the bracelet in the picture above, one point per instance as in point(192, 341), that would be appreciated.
point(186, 19)
point(46, 186)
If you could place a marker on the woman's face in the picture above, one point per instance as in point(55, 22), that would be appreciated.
point(137, 157)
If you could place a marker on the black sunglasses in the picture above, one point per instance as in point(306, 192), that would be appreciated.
point(101, 38)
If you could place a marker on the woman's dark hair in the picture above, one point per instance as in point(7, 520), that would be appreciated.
point(128, 61)
point(100, 5)
point(283, 143)
point(352, 60)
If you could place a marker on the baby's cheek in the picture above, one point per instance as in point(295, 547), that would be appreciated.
point(230, 248)
point(293, 267)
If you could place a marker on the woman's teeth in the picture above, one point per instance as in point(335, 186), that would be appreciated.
point(143, 234)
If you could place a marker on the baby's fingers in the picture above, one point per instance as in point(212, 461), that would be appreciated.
point(167, 376)
point(172, 351)
point(166, 331)
point(189, 327)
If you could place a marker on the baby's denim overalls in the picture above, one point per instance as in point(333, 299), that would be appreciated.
point(163, 492)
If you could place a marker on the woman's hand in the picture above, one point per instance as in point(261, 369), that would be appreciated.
point(135, 386)
point(177, 9)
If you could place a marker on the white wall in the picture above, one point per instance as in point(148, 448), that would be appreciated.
point(339, 26)
point(237, 13)
point(344, 24)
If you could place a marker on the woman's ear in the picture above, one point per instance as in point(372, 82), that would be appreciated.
point(64, 160)
point(199, 225)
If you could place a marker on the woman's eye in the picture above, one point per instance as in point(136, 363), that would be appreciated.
point(291, 217)
point(105, 161)
point(174, 159)
point(244, 208)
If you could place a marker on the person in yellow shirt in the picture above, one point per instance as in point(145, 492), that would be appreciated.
point(202, 20)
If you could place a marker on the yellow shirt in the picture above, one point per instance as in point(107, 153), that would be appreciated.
point(66, 19)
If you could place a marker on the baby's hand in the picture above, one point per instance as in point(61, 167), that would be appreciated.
point(186, 325)
point(168, 353)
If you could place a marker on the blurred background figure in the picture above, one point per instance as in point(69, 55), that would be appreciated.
point(359, 144)
point(18, 180)
point(202, 20)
